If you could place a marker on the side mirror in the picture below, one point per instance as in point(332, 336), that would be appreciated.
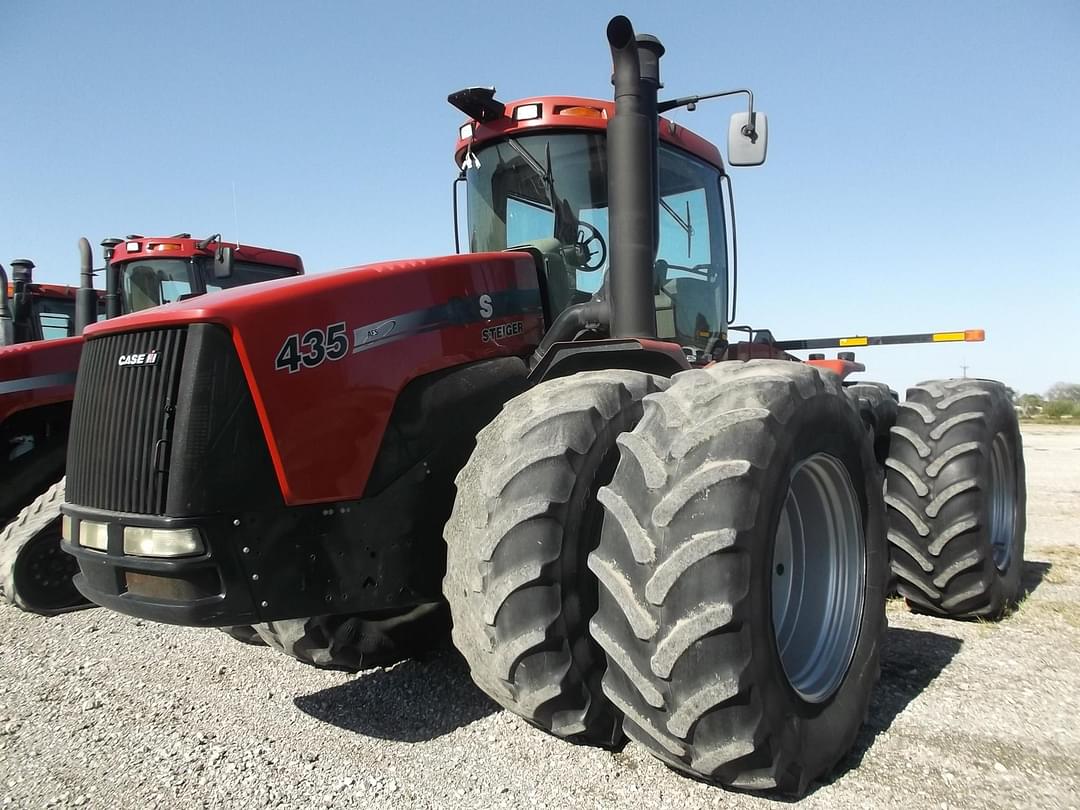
point(748, 143)
point(223, 262)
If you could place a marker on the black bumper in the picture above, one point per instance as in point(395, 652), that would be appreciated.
point(352, 557)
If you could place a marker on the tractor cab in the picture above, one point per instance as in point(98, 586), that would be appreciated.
point(537, 179)
point(148, 272)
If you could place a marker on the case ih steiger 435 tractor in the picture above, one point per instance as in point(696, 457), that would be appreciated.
point(651, 534)
point(39, 356)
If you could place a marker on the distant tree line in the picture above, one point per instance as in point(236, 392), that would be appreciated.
point(1062, 400)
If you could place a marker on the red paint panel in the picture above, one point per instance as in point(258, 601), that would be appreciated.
point(670, 132)
point(324, 425)
point(38, 359)
point(840, 367)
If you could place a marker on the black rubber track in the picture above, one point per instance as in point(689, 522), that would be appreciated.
point(353, 643)
point(877, 404)
point(939, 499)
point(523, 524)
point(685, 566)
point(35, 575)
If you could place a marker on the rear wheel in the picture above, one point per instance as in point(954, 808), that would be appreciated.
point(524, 523)
point(742, 569)
point(351, 643)
point(35, 574)
point(957, 499)
point(877, 405)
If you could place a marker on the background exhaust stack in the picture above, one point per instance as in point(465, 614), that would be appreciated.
point(633, 183)
point(7, 336)
point(86, 297)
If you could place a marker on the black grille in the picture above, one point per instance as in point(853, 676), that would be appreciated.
point(118, 449)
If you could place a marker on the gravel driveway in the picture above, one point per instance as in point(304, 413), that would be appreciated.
point(99, 710)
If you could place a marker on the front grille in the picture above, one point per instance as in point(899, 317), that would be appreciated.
point(121, 422)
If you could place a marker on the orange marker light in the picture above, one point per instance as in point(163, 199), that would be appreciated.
point(975, 335)
point(580, 112)
point(162, 246)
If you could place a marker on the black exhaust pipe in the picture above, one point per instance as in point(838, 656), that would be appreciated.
point(112, 279)
point(22, 276)
point(633, 179)
point(86, 297)
point(7, 335)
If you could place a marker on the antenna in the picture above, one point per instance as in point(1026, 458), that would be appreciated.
point(963, 369)
point(236, 216)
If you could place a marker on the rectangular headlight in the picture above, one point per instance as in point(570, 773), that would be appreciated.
point(65, 528)
point(94, 535)
point(142, 541)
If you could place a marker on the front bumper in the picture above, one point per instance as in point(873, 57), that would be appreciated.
point(289, 562)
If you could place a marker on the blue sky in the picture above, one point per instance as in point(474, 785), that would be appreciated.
point(923, 172)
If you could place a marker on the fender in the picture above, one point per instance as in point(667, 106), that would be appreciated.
point(638, 354)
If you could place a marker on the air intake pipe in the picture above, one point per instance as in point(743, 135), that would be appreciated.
point(7, 332)
point(86, 298)
point(112, 279)
point(633, 180)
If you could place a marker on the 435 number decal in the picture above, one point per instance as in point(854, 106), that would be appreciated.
point(313, 348)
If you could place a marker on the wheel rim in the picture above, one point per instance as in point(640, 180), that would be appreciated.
point(1002, 501)
point(43, 573)
point(818, 577)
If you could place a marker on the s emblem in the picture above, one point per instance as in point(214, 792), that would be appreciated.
point(486, 309)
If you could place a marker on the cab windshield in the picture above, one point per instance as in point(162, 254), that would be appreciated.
point(548, 192)
point(149, 283)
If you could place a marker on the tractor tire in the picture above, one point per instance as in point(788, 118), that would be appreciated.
point(35, 574)
point(518, 541)
point(244, 633)
point(957, 499)
point(877, 405)
point(742, 569)
point(351, 643)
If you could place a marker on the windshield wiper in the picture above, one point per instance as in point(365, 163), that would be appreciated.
point(686, 226)
point(561, 209)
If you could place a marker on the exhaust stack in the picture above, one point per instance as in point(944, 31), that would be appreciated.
point(7, 336)
point(633, 179)
point(86, 297)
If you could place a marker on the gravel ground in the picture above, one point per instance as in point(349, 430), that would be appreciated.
point(99, 710)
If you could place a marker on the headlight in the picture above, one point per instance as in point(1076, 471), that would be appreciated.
point(141, 541)
point(94, 535)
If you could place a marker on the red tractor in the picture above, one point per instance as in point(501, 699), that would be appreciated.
point(37, 383)
point(638, 529)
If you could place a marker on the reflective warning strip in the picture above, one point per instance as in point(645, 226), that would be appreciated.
point(947, 337)
point(34, 383)
point(854, 341)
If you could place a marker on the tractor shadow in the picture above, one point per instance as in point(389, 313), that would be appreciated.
point(910, 661)
point(410, 702)
point(1032, 576)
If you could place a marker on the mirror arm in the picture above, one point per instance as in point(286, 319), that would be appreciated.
point(454, 194)
point(691, 102)
point(725, 180)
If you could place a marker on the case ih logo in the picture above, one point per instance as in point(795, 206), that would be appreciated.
point(148, 359)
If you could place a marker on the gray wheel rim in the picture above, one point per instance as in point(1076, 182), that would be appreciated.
point(1002, 501)
point(818, 577)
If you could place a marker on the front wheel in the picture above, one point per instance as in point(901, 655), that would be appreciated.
point(742, 571)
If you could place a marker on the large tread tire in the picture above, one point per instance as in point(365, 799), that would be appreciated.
point(523, 525)
point(351, 643)
point(941, 502)
point(35, 574)
point(244, 633)
point(878, 406)
point(686, 568)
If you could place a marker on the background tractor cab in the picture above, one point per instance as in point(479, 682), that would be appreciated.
point(32, 311)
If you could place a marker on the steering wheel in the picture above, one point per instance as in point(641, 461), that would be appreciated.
point(587, 234)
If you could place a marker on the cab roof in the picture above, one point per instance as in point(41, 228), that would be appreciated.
point(572, 112)
point(164, 247)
